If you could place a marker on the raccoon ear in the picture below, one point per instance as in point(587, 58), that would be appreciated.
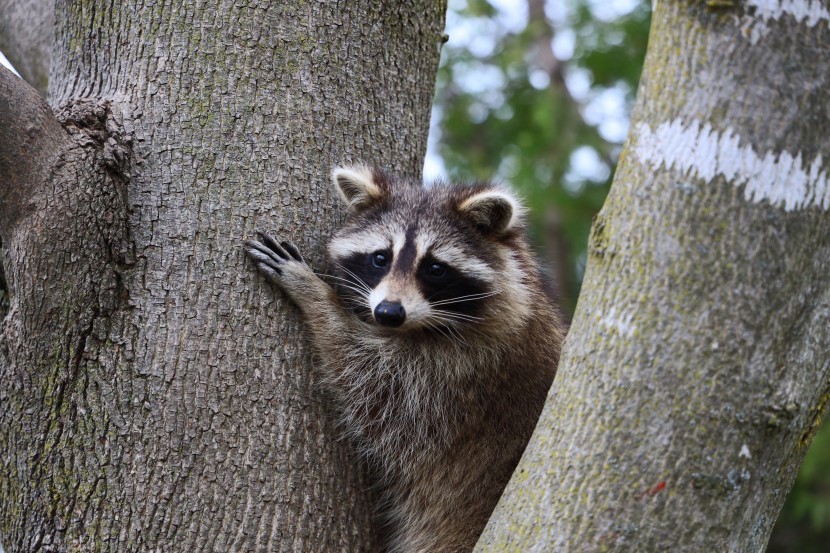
point(359, 186)
point(494, 211)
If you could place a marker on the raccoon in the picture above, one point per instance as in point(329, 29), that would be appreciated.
point(437, 341)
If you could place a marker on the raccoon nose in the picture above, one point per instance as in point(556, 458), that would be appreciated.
point(390, 313)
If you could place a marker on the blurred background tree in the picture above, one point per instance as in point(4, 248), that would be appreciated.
point(538, 94)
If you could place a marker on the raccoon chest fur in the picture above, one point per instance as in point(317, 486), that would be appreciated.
point(413, 401)
point(437, 342)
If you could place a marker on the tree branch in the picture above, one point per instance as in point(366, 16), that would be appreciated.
point(63, 220)
point(31, 138)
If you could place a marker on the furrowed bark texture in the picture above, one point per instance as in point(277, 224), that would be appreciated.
point(26, 32)
point(696, 369)
point(155, 394)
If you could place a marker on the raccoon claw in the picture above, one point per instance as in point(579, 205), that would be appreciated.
point(273, 246)
point(292, 250)
point(273, 259)
point(264, 257)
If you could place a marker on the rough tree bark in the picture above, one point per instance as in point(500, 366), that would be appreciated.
point(154, 393)
point(696, 370)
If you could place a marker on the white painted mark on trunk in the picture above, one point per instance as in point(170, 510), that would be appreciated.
point(698, 151)
point(809, 12)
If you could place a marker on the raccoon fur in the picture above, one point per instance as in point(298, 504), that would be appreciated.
point(437, 341)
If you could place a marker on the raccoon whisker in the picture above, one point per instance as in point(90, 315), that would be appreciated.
point(459, 316)
point(468, 328)
point(455, 319)
point(455, 326)
point(353, 297)
point(355, 303)
point(442, 331)
point(361, 311)
point(455, 331)
point(361, 285)
point(359, 291)
point(471, 297)
point(449, 324)
point(365, 290)
point(352, 294)
point(358, 280)
point(438, 316)
point(352, 285)
point(326, 275)
point(476, 295)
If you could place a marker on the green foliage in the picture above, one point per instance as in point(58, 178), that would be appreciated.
point(510, 110)
point(812, 498)
point(804, 524)
point(508, 115)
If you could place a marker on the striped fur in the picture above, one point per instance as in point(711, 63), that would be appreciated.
point(442, 404)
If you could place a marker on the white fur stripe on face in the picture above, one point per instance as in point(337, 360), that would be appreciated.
point(397, 244)
point(360, 242)
point(453, 256)
point(463, 262)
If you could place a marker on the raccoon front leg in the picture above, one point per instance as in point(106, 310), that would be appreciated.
point(283, 266)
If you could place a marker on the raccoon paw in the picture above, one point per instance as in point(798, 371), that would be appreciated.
point(281, 263)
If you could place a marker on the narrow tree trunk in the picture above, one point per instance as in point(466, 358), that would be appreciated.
point(696, 370)
point(154, 393)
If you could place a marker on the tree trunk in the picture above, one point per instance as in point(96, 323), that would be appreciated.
point(696, 370)
point(154, 393)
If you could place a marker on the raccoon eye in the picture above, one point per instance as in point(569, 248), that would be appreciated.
point(437, 270)
point(379, 260)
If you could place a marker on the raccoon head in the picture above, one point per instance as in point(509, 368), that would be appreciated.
point(438, 259)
